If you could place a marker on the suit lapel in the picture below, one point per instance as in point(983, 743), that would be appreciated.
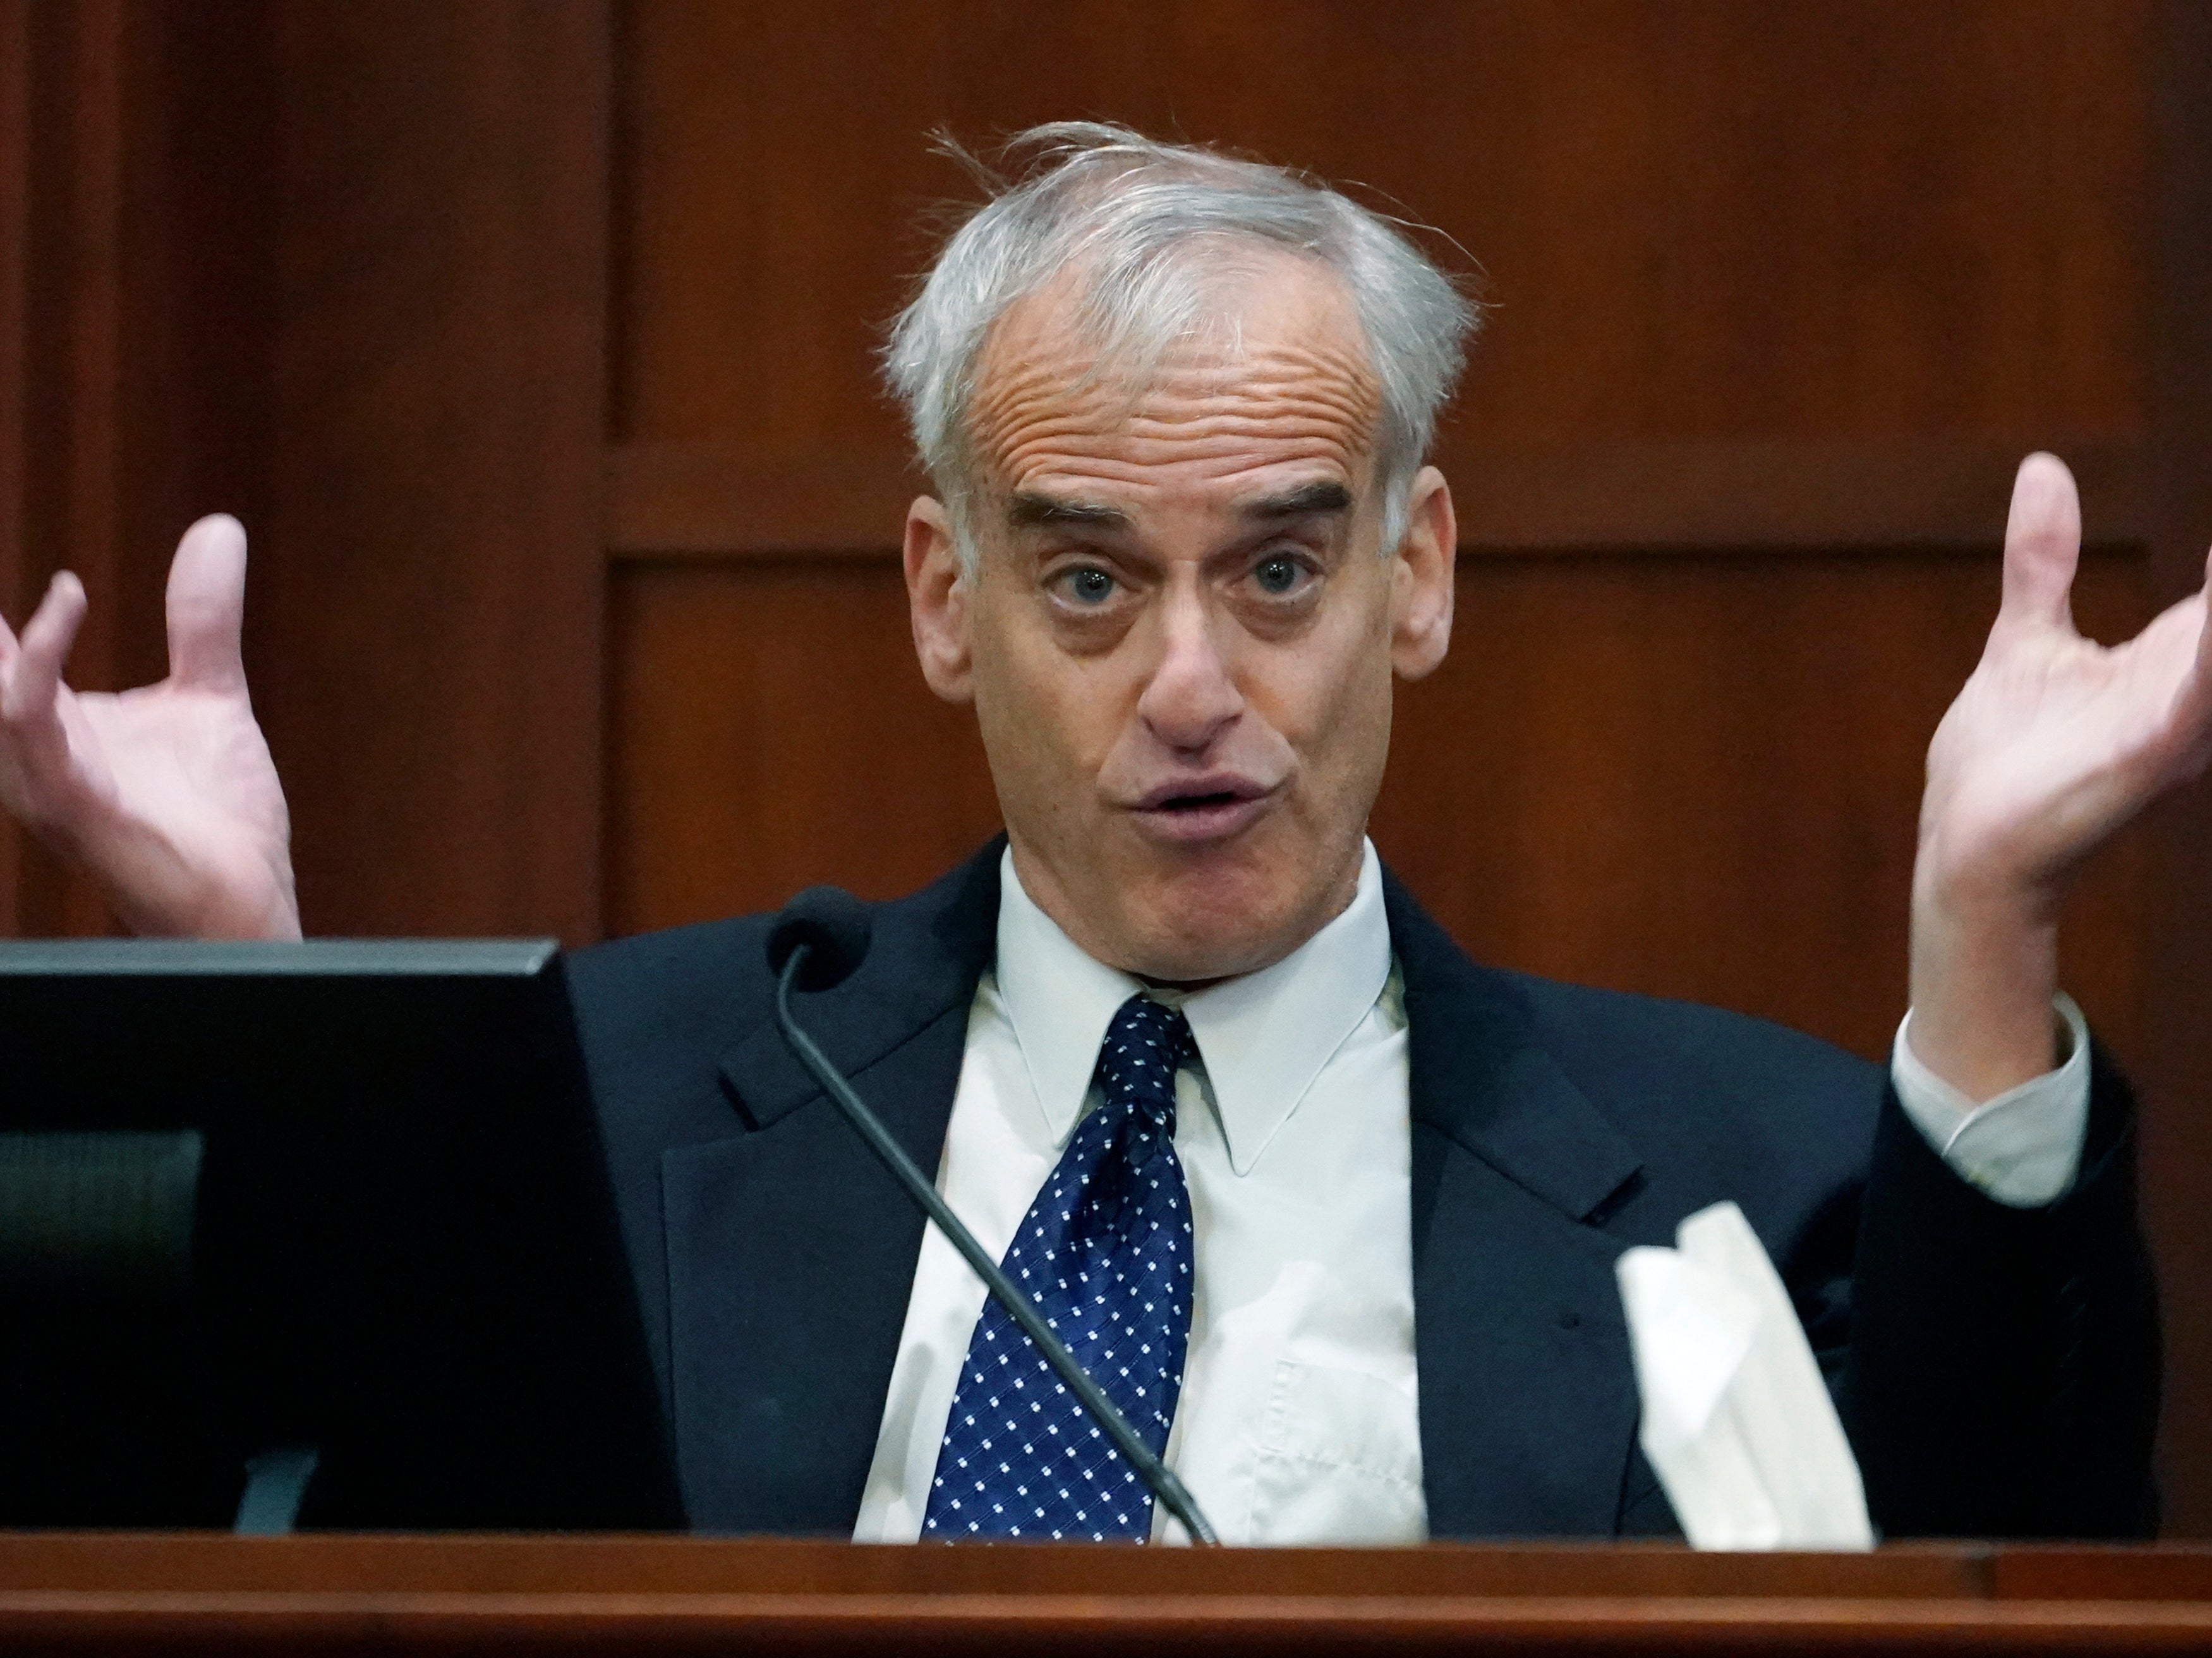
point(1527, 1400)
point(790, 1251)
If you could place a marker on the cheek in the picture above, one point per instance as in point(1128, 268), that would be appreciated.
point(1044, 714)
point(1329, 693)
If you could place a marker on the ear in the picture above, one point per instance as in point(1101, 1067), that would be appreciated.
point(1421, 583)
point(937, 601)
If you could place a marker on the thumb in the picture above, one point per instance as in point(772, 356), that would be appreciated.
point(2043, 544)
point(207, 605)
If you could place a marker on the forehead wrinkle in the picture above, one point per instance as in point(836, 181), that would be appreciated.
point(1139, 462)
point(1040, 392)
point(1210, 422)
point(1292, 376)
point(1050, 431)
point(1048, 366)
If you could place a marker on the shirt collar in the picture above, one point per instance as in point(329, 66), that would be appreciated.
point(1263, 1037)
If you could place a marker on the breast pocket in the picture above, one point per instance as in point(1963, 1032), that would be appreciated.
point(1339, 1459)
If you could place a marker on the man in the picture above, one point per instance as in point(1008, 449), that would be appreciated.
point(1331, 1210)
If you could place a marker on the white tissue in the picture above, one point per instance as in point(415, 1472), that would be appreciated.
point(1737, 1421)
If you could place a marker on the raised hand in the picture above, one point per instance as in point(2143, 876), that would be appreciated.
point(167, 793)
point(2055, 742)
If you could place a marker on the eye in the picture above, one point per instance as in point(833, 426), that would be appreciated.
point(1087, 585)
point(1278, 575)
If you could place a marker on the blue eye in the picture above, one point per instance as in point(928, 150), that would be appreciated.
point(1088, 584)
point(1278, 575)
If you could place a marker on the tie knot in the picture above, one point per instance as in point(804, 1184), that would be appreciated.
point(1144, 1045)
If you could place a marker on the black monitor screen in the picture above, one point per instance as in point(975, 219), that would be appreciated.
point(338, 1204)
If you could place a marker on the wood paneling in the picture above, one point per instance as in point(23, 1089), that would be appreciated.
point(2177, 1140)
point(66, 355)
point(340, 270)
point(429, 627)
point(670, 1573)
point(768, 729)
point(129, 1594)
point(134, 334)
point(1702, 219)
point(17, 171)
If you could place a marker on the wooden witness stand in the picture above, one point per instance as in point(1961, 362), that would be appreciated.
point(192, 1593)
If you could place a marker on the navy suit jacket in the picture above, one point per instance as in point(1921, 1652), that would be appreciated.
point(1997, 1369)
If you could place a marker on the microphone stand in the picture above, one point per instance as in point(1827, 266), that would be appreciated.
point(1153, 1471)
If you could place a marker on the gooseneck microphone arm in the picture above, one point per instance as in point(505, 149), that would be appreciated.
point(1154, 1473)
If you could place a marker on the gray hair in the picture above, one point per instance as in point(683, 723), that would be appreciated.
point(1135, 216)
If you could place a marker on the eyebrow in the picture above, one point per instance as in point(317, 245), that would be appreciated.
point(1321, 495)
point(1029, 510)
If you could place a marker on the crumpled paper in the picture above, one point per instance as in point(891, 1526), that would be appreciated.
point(1737, 1421)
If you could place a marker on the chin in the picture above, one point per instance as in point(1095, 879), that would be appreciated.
point(1214, 921)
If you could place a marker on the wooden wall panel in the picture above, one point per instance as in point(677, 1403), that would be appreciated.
point(16, 174)
point(768, 729)
point(340, 270)
point(429, 624)
point(135, 335)
point(2176, 1142)
point(1702, 218)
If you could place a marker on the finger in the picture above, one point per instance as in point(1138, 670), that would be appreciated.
point(207, 605)
point(2043, 544)
point(35, 675)
point(2196, 694)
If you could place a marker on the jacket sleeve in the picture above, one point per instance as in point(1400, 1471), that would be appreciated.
point(2001, 1377)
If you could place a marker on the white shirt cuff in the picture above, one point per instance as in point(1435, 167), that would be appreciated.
point(2022, 1148)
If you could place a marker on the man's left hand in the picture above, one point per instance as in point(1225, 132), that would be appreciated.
point(2054, 742)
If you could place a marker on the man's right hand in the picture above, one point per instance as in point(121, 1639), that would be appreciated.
point(165, 795)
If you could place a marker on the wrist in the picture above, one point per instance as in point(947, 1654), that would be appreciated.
point(1984, 974)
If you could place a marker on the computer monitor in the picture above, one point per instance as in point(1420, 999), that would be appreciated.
point(332, 1206)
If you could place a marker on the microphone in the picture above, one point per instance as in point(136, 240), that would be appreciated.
point(832, 926)
point(818, 941)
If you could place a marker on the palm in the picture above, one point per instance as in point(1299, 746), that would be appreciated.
point(167, 791)
point(191, 761)
point(2055, 741)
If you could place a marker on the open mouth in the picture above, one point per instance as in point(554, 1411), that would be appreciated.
point(1206, 809)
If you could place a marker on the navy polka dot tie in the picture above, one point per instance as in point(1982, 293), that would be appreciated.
point(1104, 1251)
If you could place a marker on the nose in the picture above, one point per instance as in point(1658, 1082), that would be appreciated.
point(1192, 697)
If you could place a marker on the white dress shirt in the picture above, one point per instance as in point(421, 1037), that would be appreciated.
point(1298, 1420)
